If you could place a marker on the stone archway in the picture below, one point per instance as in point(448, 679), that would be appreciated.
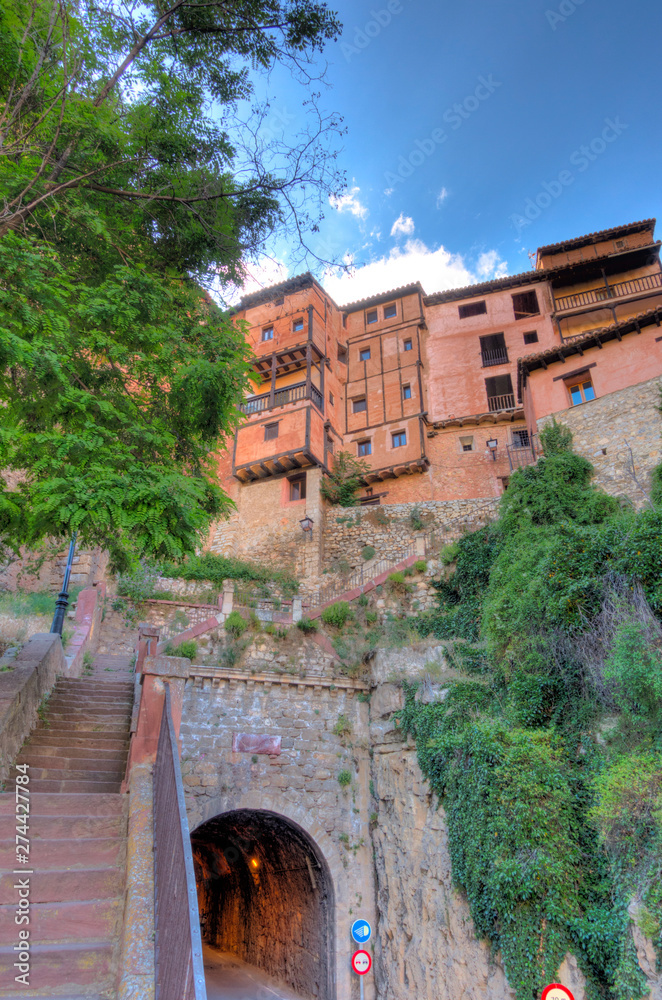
point(266, 894)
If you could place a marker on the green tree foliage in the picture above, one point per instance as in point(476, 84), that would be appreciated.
point(344, 481)
point(128, 180)
point(549, 768)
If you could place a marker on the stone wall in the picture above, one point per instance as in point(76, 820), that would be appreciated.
point(299, 784)
point(265, 527)
point(605, 429)
point(45, 571)
point(389, 529)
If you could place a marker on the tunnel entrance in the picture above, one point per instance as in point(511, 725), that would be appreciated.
point(265, 894)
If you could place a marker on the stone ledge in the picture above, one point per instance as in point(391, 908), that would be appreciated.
point(210, 673)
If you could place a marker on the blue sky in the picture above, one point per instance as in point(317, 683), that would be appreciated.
point(479, 130)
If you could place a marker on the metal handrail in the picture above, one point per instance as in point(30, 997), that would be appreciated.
point(288, 394)
point(490, 358)
point(177, 944)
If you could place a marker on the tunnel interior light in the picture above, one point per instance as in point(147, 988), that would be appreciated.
point(254, 863)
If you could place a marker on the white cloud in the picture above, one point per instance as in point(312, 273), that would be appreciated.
point(403, 226)
point(441, 197)
point(490, 265)
point(437, 270)
point(349, 202)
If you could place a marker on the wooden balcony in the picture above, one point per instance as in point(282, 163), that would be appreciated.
point(594, 296)
point(289, 394)
point(505, 402)
point(490, 358)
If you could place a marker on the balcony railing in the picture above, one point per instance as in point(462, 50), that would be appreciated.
point(505, 402)
point(494, 358)
point(621, 288)
point(291, 394)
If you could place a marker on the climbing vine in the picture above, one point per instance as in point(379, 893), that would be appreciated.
point(547, 758)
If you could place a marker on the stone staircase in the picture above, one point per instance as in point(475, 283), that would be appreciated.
point(77, 830)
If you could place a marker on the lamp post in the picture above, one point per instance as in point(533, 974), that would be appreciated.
point(492, 444)
point(62, 602)
point(306, 525)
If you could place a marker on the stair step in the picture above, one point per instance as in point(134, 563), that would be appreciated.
point(86, 715)
point(81, 725)
point(60, 827)
point(102, 741)
point(73, 786)
point(95, 686)
point(56, 773)
point(73, 966)
point(43, 750)
point(47, 762)
point(90, 920)
point(65, 885)
point(88, 704)
point(66, 804)
point(90, 852)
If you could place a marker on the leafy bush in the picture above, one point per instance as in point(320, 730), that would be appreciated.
point(420, 566)
point(139, 585)
point(363, 601)
point(344, 778)
point(449, 553)
point(343, 726)
point(371, 617)
point(555, 438)
point(307, 625)
point(23, 603)
point(396, 583)
point(416, 522)
point(336, 614)
point(188, 648)
point(235, 625)
point(367, 552)
point(218, 568)
point(342, 485)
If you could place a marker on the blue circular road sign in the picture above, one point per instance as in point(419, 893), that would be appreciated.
point(361, 931)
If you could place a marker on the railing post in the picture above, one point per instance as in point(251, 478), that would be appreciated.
point(148, 638)
point(227, 597)
point(155, 671)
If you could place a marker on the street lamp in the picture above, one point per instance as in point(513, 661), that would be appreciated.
point(306, 523)
point(62, 602)
point(492, 445)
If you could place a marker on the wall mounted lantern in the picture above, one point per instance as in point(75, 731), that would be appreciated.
point(306, 523)
point(492, 445)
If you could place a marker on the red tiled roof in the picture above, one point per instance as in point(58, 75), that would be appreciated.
point(600, 234)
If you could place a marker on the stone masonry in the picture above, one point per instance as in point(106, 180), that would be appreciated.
point(619, 433)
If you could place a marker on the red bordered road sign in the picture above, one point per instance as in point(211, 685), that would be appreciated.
point(555, 991)
point(361, 962)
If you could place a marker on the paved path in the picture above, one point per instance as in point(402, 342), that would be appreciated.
point(228, 978)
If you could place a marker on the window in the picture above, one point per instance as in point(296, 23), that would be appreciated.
point(525, 304)
point(581, 392)
point(467, 443)
point(270, 431)
point(620, 244)
point(297, 324)
point(500, 394)
point(371, 316)
point(369, 491)
point(268, 333)
point(406, 392)
point(472, 309)
point(364, 448)
point(531, 338)
point(521, 439)
point(330, 399)
point(407, 346)
point(399, 439)
point(359, 405)
point(364, 355)
point(298, 487)
point(493, 350)
point(504, 482)
point(390, 311)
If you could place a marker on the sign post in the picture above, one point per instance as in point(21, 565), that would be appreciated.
point(361, 960)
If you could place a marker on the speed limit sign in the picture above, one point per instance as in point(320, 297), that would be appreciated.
point(555, 991)
point(361, 962)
